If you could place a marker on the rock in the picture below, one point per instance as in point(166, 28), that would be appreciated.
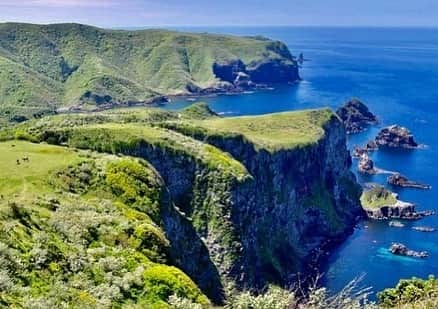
point(381, 204)
point(356, 116)
point(371, 146)
point(401, 249)
point(359, 151)
point(366, 165)
point(396, 224)
point(424, 229)
point(255, 75)
point(397, 137)
point(402, 181)
point(229, 70)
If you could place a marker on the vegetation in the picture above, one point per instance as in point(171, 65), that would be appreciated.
point(411, 293)
point(43, 67)
point(84, 229)
point(79, 229)
point(377, 197)
point(275, 131)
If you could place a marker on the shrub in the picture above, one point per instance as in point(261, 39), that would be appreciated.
point(409, 291)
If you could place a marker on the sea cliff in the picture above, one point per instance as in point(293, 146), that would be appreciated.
point(246, 202)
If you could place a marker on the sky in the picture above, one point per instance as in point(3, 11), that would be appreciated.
point(139, 13)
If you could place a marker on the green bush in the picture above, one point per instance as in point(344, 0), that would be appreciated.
point(135, 185)
point(163, 281)
point(409, 291)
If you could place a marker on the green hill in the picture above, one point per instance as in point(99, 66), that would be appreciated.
point(44, 67)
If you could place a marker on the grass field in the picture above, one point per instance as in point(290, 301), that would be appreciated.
point(377, 197)
point(29, 178)
point(275, 131)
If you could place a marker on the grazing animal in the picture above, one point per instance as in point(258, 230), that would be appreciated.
point(25, 159)
point(18, 162)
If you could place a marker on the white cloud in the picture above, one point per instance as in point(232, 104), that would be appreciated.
point(59, 3)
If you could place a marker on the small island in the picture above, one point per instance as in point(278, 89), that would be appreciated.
point(402, 181)
point(401, 249)
point(396, 136)
point(356, 116)
point(381, 204)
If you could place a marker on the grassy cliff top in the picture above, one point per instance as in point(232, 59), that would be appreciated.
point(83, 229)
point(275, 131)
point(377, 197)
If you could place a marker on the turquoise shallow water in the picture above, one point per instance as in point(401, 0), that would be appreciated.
point(395, 71)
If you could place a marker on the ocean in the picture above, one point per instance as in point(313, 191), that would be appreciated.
point(395, 72)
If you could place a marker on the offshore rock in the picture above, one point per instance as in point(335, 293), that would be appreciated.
point(396, 224)
point(402, 181)
point(424, 229)
point(366, 165)
point(356, 116)
point(397, 137)
point(401, 249)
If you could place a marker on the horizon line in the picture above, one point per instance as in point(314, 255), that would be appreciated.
point(227, 25)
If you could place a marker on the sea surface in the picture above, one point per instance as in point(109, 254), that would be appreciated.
point(393, 70)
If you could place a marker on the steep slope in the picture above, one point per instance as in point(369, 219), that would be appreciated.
point(256, 199)
point(72, 65)
point(83, 230)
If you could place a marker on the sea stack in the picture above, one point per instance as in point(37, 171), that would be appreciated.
point(401, 249)
point(366, 165)
point(356, 116)
point(402, 181)
point(396, 136)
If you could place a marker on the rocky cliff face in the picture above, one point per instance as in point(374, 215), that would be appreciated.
point(257, 73)
point(239, 215)
point(297, 203)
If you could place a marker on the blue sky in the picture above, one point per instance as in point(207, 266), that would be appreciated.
point(137, 13)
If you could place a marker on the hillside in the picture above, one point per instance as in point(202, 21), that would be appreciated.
point(46, 67)
point(176, 199)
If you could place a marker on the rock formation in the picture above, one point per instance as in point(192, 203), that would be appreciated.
point(424, 229)
point(396, 224)
point(402, 181)
point(397, 137)
point(401, 249)
point(382, 204)
point(366, 165)
point(356, 116)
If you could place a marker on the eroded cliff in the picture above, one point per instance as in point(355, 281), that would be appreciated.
point(250, 200)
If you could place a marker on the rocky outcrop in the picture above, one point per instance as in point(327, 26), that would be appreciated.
point(397, 137)
point(401, 249)
point(239, 76)
point(396, 224)
point(426, 229)
point(273, 71)
point(399, 210)
point(299, 203)
point(366, 165)
point(356, 116)
point(402, 181)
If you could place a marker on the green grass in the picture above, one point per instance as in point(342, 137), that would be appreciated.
point(118, 138)
point(377, 197)
point(30, 178)
point(43, 67)
point(83, 229)
point(274, 131)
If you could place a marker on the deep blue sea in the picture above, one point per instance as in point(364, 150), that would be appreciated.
point(393, 70)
